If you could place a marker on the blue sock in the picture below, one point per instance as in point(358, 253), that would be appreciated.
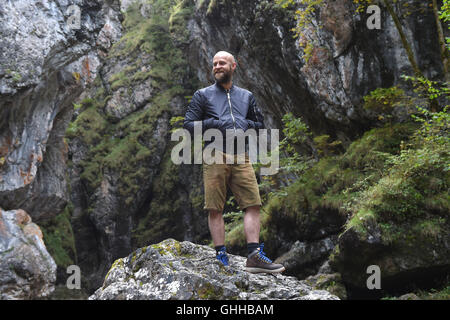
point(220, 248)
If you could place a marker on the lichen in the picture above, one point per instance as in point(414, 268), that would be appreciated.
point(119, 263)
point(207, 291)
point(168, 248)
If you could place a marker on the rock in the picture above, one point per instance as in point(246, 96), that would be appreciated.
point(45, 64)
point(27, 271)
point(409, 296)
point(410, 260)
point(329, 282)
point(305, 258)
point(184, 270)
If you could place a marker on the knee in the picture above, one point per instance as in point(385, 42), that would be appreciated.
point(252, 209)
point(215, 214)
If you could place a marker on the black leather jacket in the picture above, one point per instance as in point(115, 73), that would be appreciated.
point(222, 109)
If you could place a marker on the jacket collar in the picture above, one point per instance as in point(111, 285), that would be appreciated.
point(218, 86)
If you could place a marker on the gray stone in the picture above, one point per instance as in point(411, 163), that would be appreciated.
point(305, 258)
point(27, 271)
point(183, 270)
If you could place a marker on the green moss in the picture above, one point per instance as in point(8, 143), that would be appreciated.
point(211, 7)
point(234, 228)
point(119, 263)
point(59, 238)
point(371, 151)
point(403, 195)
point(334, 182)
point(165, 207)
point(89, 125)
point(207, 291)
point(119, 80)
point(172, 248)
point(177, 21)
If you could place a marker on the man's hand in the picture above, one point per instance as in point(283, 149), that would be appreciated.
point(220, 124)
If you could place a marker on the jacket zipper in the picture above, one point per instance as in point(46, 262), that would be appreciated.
point(231, 111)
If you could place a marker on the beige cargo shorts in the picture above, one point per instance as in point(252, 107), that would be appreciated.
point(239, 177)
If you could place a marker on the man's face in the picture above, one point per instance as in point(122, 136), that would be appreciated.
point(223, 68)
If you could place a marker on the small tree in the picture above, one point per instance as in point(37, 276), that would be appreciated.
point(443, 15)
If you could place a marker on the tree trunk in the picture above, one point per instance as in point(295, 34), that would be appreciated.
point(445, 56)
point(405, 42)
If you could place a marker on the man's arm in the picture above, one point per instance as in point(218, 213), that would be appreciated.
point(255, 118)
point(195, 113)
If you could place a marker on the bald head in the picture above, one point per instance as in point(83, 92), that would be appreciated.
point(223, 68)
point(226, 55)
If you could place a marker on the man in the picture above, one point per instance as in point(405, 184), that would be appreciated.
point(225, 106)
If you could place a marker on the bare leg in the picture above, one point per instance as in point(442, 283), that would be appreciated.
point(252, 224)
point(216, 227)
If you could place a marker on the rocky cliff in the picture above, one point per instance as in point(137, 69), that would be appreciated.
point(85, 118)
point(50, 51)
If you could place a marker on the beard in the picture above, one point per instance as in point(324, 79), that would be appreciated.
point(224, 77)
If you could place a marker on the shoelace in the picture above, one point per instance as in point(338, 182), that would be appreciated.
point(222, 257)
point(262, 254)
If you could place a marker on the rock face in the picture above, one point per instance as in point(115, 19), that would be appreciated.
point(347, 60)
point(45, 63)
point(183, 270)
point(51, 51)
point(131, 76)
point(414, 259)
point(125, 191)
point(27, 271)
point(305, 258)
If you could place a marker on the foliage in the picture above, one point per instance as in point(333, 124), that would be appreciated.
point(176, 123)
point(296, 133)
point(414, 187)
point(413, 184)
point(384, 101)
point(304, 16)
point(432, 90)
point(330, 186)
point(444, 15)
point(59, 238)
point(324, 147)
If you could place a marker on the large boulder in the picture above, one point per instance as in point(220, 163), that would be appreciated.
point(27, 271)
point(412, 260)
point(184, 270)
point(305, 258)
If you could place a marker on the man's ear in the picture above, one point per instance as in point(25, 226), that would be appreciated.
point(233, 66)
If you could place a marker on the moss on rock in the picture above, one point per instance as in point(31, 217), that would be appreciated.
point(321, 198)
point(59, 238)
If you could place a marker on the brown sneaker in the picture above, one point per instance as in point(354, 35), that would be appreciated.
point(257, 262)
